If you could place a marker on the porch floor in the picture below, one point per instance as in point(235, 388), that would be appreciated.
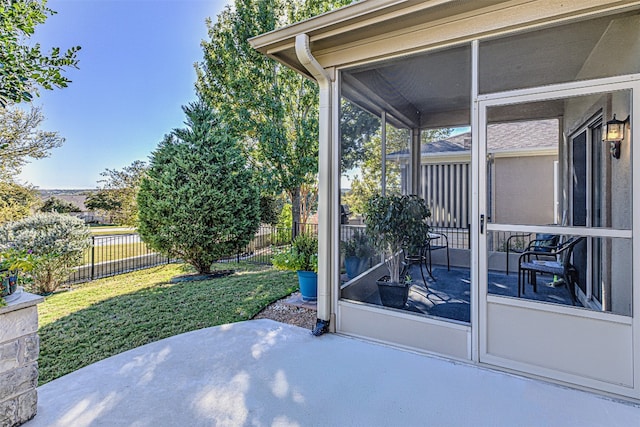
point(449, 295)
point(261, 373)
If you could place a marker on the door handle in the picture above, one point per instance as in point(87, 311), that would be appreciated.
point(482, 224)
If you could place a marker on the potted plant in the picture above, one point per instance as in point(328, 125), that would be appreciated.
point(12, 261)
point(303, 259)
point(357, 250)
point(394, 224)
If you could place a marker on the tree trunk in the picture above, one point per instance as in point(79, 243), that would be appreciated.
point(295, 211)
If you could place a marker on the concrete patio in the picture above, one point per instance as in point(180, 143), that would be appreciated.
point(261, 372)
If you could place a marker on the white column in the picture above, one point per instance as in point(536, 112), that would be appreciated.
point(383, 154)
point(415, 161)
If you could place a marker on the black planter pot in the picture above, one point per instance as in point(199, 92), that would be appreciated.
point(392, 294)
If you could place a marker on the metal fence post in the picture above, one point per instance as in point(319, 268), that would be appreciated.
point(93, 256)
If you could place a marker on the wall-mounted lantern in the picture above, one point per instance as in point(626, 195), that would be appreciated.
point(614, 135)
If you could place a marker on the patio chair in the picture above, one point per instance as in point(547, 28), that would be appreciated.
point(560, 267)
point(543, 245)
point(434, 242)
point(418, 258)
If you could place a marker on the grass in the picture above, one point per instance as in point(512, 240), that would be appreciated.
point(98, 319)
point(112, 233)
point(116, 252)
point(110, 230)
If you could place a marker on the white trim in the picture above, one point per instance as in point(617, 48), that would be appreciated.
point(635, 225)
point(589, 384)
point(568, 231)
point(335, 278)
point(559, 309)
point(560, 90)
point(383, 156)
point(402, 314)
point(477, 309)
point(465, 156)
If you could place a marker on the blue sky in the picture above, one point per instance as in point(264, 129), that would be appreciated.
point(136, 71)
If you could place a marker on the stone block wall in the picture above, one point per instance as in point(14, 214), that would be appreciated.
point(19, 348)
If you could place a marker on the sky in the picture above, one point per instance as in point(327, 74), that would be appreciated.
point(135, 73)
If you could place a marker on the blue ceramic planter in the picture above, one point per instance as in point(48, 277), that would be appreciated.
point(355, 266)
point(308, 282)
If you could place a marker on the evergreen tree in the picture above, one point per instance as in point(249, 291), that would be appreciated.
point(199, 200)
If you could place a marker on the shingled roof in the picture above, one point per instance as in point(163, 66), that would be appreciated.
point(503, 137)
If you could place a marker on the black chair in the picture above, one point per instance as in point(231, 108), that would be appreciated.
point(560, 267)
point(410, 259)
point(543, 245)
point(422, 255)
point(434, 242)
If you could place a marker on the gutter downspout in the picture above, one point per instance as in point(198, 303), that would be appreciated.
point(325, 184)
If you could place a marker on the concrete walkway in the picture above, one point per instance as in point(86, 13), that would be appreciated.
point(264, 373)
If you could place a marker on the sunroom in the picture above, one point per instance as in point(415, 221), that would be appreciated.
point(527, 96)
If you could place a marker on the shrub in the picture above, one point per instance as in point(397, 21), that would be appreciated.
point(303, 255)
point(199, 200)
point(56, 243)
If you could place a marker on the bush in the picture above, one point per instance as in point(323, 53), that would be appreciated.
point(199, 200)
point(56, 243)
point(303, 255)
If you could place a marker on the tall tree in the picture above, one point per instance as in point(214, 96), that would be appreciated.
point(120, 190)
point(21, 139)
point(273, 109)
point(357, 127)
point(25, 68)
point(367, 181)
point(199, 200)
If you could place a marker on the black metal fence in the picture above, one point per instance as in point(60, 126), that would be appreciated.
point(116, 254)
point(270, 240)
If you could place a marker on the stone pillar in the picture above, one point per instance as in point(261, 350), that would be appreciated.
point(19, 348)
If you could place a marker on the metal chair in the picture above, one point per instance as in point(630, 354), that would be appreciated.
point(412, 259)
point(561, 267)
point(543, 245)
point(434, 242)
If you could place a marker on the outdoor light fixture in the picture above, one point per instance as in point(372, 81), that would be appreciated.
point(614, 134)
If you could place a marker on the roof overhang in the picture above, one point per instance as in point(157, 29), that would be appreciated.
point(412, 59)
point(360, 31)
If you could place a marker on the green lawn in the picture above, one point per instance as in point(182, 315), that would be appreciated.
point(116, 251)
point(110, 230)
point(98, 319)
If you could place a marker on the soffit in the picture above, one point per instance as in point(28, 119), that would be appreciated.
point(359, 21)
point(433, 89)
point(374, 28)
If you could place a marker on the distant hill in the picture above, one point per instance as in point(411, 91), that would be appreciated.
point(45, 194)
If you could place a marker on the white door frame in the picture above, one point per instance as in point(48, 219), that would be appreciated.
point(479, 262)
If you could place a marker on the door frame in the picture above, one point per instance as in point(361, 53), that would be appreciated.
point(480, 229)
